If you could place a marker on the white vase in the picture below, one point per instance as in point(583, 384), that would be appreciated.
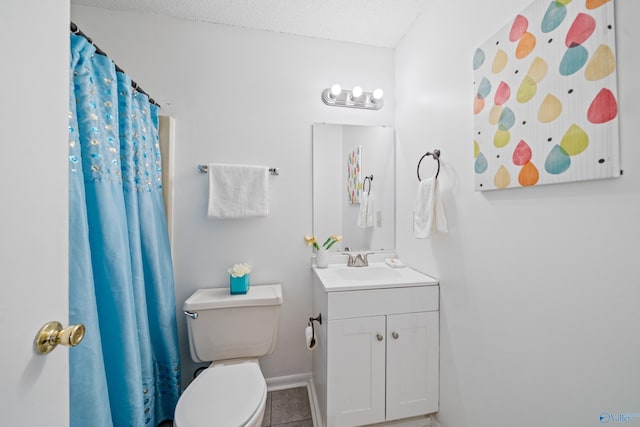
point(322, 258)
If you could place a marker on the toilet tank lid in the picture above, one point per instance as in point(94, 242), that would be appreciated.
point(208, 298)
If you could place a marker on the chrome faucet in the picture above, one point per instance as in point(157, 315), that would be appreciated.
point(357, 260)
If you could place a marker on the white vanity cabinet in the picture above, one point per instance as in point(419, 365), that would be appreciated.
point(377, 353)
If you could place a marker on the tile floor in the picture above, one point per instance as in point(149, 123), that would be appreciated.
point(288, 408)
point(285, 408)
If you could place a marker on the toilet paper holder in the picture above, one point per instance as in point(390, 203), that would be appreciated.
point(318, 319)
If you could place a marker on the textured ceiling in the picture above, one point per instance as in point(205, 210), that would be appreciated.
point(372, 22)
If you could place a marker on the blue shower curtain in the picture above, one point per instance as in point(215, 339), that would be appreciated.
point(126, 372)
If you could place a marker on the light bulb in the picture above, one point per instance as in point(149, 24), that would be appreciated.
point(356, 92)
point(335, 90)
point(377, 94)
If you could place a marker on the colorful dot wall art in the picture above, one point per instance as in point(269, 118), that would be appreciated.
point(545, 97)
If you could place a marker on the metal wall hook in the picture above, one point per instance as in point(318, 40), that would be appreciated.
point(436, 156)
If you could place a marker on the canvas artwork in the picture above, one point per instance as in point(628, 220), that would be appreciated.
point(546, 103)
point(354, 175)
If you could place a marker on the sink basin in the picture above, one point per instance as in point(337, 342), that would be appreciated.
point(373, 272)
point(376, 275)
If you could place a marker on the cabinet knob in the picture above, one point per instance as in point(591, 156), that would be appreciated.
point(395, 335)
point(380, 337)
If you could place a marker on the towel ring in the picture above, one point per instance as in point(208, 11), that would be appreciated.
point(436, 156)
point(370, 178)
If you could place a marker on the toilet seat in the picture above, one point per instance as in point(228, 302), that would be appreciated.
point(223, 395)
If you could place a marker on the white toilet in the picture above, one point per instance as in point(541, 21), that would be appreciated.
point(231, 332)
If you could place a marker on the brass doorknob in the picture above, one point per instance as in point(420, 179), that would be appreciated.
point(52, 334)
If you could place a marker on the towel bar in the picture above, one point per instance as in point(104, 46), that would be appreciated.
point(436, 156)
point(205, 169)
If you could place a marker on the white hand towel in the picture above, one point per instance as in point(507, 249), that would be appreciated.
point(367, 207)
point(429, 216)
point(238, 191)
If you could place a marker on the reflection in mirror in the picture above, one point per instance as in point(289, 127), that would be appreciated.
point(343, 157)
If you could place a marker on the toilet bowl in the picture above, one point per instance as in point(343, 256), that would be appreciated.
point(231, 332)
point(224, 395)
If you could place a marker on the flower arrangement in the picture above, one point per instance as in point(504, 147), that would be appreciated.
point(331, 240)
point(239, 270)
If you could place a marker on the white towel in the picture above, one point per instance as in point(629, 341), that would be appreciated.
point(429, 217)
point(365, 214)
point(238, 191)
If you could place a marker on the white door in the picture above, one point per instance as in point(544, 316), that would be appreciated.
point(34, 45)
point(412, 364)
point(356, 369)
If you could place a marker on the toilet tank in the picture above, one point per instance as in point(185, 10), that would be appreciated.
point(223, 326)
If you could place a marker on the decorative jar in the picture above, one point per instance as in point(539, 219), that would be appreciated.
point(322, 258)
point(239, 285)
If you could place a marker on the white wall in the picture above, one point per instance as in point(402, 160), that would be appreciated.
point(539, 286)
point(243, 96)
point(328, 182)
point(34, 109)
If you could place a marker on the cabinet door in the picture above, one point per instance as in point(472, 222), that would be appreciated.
point(412, 364)
point(356, 371)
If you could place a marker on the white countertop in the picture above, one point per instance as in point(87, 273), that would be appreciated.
point(338, 277)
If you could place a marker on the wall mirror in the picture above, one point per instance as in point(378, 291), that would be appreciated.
point(343, 157)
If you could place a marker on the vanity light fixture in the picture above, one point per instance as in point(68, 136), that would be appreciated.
point(335, 96)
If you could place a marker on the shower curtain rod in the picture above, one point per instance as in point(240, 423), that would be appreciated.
point(75, 30)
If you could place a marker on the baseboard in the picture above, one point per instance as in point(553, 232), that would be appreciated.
point(313, 400)
point(288, 381)
point(434, 421)
point(421, 421)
